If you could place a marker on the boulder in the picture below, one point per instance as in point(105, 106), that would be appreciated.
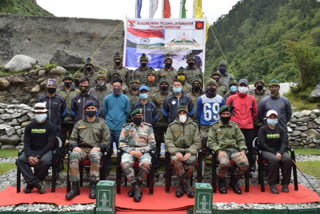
point(20, 63)
point(313, 134)
point(67, 59)
point(4, 84)
point(5, 116)
point(17, 81)
point(11, 140)
point(10, 131)
point(40, 80)
point(41, 73)
point(35, 89)
point(317, 120)
point(315, 93)
point(57, 71)
point(8, 147)
point(4, 126)
point(24, 124)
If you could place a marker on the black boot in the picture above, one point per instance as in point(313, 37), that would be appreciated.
point(234, 185)
point(92, 192)
point(186, 186)
point(41, 186)
point(131, 192)
point(179, 191)
point(28, 188)
point(222, 186)
point(75, 190)
point(137, 194)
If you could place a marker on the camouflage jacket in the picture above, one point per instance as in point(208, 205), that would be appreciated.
point(222, 90)
point(168, 75)
point(193, 73)
point(68, 97)
point(142, 74)
point(124, 72)
point(158, 99)
point(194, 99)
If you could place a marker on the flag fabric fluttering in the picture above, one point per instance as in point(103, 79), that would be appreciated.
point(166, 9)
point(153, 8)
point(138, 7)
point(184, 11)
point(198, 9)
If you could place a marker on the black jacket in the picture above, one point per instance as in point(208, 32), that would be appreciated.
point(149, 111)
point(273, 141)
point(77, 106)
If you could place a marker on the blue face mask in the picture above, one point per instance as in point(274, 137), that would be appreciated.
point(177, 90)
point(222, 70)
point(272, 122)
point(233, 88)
point(143, 96)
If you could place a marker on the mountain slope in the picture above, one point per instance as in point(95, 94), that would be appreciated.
point(22, 7)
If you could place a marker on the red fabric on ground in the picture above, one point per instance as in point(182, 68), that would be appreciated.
point(160, 200)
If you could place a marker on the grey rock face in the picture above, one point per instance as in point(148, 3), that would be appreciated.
point(20, 63)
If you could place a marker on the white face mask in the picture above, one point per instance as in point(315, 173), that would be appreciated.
point(182, 118)
point(243, 89)
point(40, 117)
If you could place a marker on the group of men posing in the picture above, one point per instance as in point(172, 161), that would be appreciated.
point(138, 110)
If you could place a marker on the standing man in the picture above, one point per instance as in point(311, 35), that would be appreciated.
point(244, 111)
point(174, 101)
point(192, 71)
point(233, 88)
point(90, 137)
point(151, 82)
point(276, 102)
point(221, 88)
point(141, 73)
point(226, 77)
point(56, 105)
point(90, 72)
point(168, 73)
point(119, 68)
point(77, 76)
point(195, 93)
point(133, 94)
point(181, 75)
point(39, 137)
point(227, 141)
point(183, 142)
point(136, 141)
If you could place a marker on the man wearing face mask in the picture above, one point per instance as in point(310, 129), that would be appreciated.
point(227, 141)
point(141, 73)
point(151, 82)
point(168, 72)
point(221, 88)
point(100, 91)
point(90, 137)
point(39, 137)
point(133, 94)
point(226, 77)
point(90, 73)
point(118, 67)
point(56, 105)
point(276, 102)
point(244, 111)
point(273, 141)
point(174, 101)
point(77, 76)
point(149, 108)
point(116, 75)
point(233, 88)
point(195, 93)
point(79, 101)
point(183, 142)
point(192, 71)
point(136, 141)
point(181, 75)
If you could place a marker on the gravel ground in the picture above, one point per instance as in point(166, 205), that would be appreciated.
point(9, 178)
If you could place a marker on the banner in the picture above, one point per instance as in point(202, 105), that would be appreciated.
point(153, 8)
point(157, 37)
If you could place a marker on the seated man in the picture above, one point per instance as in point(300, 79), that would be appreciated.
point(39, 137)
point(183, 142)
point(89, 138)
point(226, 139)
point(136, 141)
point(274, 143)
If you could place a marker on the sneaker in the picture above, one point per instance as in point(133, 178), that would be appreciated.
point(28, 188)
point(285, 188)
point(273, 189)
point(41, 186)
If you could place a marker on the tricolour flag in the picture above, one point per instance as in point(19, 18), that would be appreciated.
point(139, 6)
point(133, 58)
point(146, 37)
point(166, 9)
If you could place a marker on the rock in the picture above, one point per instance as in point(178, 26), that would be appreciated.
point(303, 135)
point(299, 114)
point(312, 125)
point(24, 107)
point(15, 115)
point(67, 59)
point(57, 71)
point(5, 116)
point(43, 84)
point(17, 81)
point(313, 116)
point(316, 111)
point(40, 80)
point(19, 147)
point(20, 63)
point(301, 128)
point(41, 73)
point(12, 140)
point(35, 89)
point(313, 134)
point(4, 84)
point(296, 133)
point(303, 119)
point(4, 126)
point(10, 131)
point(317, 120)
point(306, 112)
point(8, 147)
point(315, 93)
point(289, 129)
point(24, 124)
point(292, 125)
point(13, 122)
point(23, 119)
point(312, 145)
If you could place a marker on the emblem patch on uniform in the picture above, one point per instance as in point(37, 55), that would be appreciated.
point(38, 131)
point(82, 127)
point(173, 102)
point(163, 74)
point(176, 133)
point(219, 131)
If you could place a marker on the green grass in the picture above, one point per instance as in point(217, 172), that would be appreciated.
point(2, 73)
point(5, 167)
point(310, 167)
point(8, 153)
point(307, 151)
point(299, 101)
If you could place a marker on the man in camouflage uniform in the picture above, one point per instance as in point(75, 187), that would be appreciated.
point(221, 88)
point(152, 82)
point(181, 75)
point(90, 73)
point(133, 93)
point(233, 88)
point(117, 75)
point(90, 137)
point(118, 67)
point(136, 141)
point(100, 91)
point(141, 73)
point(183, 142)
point(260, 91)
point(168, 73)
point(192, 71)
point(227, 141)
point(195, 93)
point(76, 77)
point(226, 77)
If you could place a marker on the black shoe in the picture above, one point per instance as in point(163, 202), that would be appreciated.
point(179, 191)
point(188, 189)
point(137, 193)
point(131, 192)
point(28, 188)
point(234, 185)
point(273, 189)
point(92, 192)
point(74, 191)
point(285, 188)
point(41, 186)
point(222, 186)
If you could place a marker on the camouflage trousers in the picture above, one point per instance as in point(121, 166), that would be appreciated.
point(85, 154)
point(183, 168)
point(127, 162)
point(224, 163)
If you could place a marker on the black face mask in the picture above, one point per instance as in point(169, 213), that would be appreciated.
point(144, 65)
point(196, 88)
point(76, 83)
point(89, 69)
point(216, 78)
point(68, 84)
point(91, 113)
point(137, 121)
point(225, 119)
point(168, 65)
point(117, 63)
point(259, 87)
point(164, 88)
point(211, 92)
point(191, 64)
point(84, 89)
point(134, 87)
point(51, 90)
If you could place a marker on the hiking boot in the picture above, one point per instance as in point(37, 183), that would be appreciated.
point(285, 188)
point(234, 185)
point(137, 193)
point(92, 192)
point(179, 191)
point(28, 188)
point(75, 190)
point(131, 192)
point(273, 189)
point(188, 189)
point(41, 186)
point(222, 186)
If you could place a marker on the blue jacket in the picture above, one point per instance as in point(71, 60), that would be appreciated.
point(208, 108)
point(116, 110)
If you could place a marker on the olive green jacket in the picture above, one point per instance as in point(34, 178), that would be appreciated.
point(68, 97)
point(222, 90)
point(158, 99)
point(183, 137)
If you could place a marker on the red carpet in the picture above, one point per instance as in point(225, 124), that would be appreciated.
point(160, 200)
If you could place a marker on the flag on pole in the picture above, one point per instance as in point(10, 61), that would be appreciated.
point(139, 6)
point(198, 9)
point(184, 11)
point(153, 8)
point(166, 9)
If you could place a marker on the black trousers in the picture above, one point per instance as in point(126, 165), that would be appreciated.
point(159, 132)
point(40, 170)
point(249, 136)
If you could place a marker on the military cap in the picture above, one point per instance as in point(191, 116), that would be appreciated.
point(259, 79)
point(167, 57)
point(233, 82)
point(101, 75)
point(134, 80)
point(163, 80)
point(223, 62)
point(89, 61)
point(182, 108)
point(137, 111)
point(274, 82)
point(143, 57)
point(211, 82)
point(190, 57)
point(224, 108)
point(216, 72)
point(181, 71)
point(243, 81)
point(151, 71)
point(83, 79)
point(67, 76)
point(196, 80)
point(91, 103)
point(77, 74)
point(117, 56)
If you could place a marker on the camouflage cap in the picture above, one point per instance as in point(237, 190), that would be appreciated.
point(117, 56)
point(224, 108)
point(152, 72)
point(181, 71)
point(211, 82)
point(137, 111)
point(182, 108)
point(134, 80)
point(67, 76)
point(216, 72)
point(101, 75)
point(196, 80)
point(77, 75)
point(233, 82)
point(259, 79)
point(89, 61)
point(191, 57)
point(223, 62)
point(274, 82)
point(144, 57)
point(167, 57)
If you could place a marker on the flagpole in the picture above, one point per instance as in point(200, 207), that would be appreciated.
point(136, 9)
point(180, 9)
point(194, 8)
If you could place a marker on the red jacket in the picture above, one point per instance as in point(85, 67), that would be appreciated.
point(244, 110)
